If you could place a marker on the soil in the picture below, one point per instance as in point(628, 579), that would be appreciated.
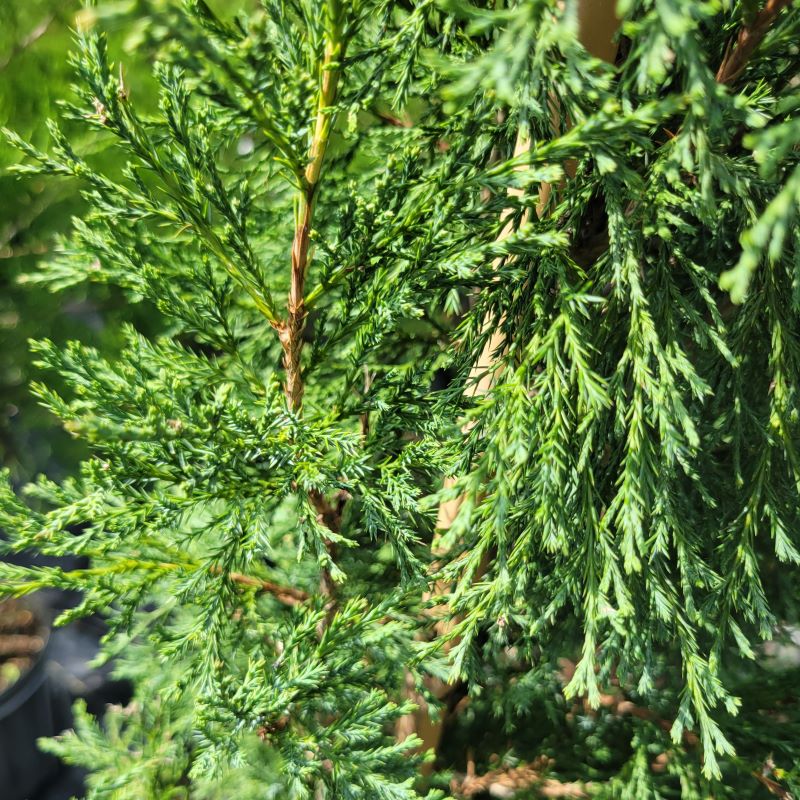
point(21, 641)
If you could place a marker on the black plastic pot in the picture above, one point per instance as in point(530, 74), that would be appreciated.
point(35, 705)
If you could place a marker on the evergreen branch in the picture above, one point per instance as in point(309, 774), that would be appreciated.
point(325, 285)
point(21, 581)
point(259, 293)
point(268, 126)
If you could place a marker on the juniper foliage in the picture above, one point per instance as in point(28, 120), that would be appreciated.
point(420, 179)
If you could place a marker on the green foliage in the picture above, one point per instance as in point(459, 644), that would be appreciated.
point(260, 514)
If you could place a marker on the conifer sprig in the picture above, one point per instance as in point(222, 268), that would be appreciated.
point(258, 506)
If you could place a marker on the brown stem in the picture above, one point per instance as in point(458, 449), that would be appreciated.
point(364, 418)
point(291, 332)
point(287, 595)
point(773, 787)
point(750, 36)
point(329, 514)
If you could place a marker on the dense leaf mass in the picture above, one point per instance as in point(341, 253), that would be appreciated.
point(570, 284)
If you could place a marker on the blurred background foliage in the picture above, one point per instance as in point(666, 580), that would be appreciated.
point(35, 73)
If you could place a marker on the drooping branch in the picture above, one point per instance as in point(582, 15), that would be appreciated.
point(597, 24)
